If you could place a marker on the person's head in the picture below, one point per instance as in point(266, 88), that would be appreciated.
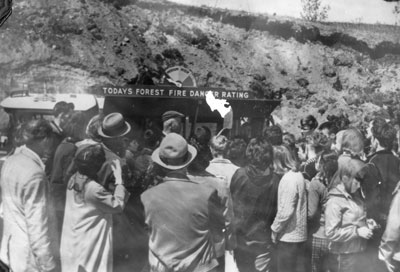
point(329, 129)
point(92, 128)
point(348, 169)
point(289, 140)
point(352, 142)
point(376, 122)
point(273, 134)
point(201, 136)
point(61, 108)
point(308, 124)
point(39, 137)
point(259, 153)
point(219, 145)
point(172, 122)
point(89, 159)
point(75, 126)
point(318, 142)
point(236, 150)
point(284, 160)
point(383, 135)
point(150, 139)
point(174, 153)
point(337, 145)
point(327, 164)
point(113, 131)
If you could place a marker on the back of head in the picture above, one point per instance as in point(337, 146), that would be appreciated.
point(284, 160)
point(202, 135)
point(318, 141)
point(328, 163)
point(150, 139)
point(89, 160)
point(259, 153)
point(219, 145)
point(352, 142)
point(75, 126)
point(384, 133)
point(36, 130)
point(349, 167)
point(61, 107)
point(273, 134)
point(236, 149)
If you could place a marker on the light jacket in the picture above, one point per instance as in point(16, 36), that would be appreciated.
point(344, 214)
point(390, 245)
point(182, 217)
point(87, 240)
point(220, 185)
point(291, 219)
point(29, 240)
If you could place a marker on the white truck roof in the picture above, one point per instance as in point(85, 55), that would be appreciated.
point(25, 101)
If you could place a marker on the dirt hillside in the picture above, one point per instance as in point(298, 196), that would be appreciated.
point(320, 69)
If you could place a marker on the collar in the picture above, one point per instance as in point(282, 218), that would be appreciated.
point(31, 154)
point(342, 191)
point(221, 160)
point(380, 152)
point(176, 175)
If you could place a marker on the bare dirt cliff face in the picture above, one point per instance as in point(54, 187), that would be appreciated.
point(320, 69)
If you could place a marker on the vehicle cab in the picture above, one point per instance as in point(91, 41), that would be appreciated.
point(22, 106)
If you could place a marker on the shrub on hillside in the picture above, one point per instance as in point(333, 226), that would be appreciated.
point(313, 10)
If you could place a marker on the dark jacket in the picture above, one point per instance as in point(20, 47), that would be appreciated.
point(182, 217)
point(386, 173)
point(62, 159)
point(255, 198)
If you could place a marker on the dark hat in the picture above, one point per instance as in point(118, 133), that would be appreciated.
point(171, 114)
point(174, 152)
point(114, 126)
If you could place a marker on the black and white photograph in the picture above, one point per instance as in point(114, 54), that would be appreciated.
point(199, 136)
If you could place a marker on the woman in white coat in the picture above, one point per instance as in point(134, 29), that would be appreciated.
point(86, 241)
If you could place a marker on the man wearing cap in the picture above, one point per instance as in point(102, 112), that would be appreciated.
point(29, 241)
point(172, 122)
point(183, 216)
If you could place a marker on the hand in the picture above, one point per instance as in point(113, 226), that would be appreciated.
point(364, 232)
point(117, 171)
point(274, 237)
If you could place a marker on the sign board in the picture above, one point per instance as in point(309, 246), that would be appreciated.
point(176, 92)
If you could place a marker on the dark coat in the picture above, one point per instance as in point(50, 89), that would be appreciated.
point(379, 179)
point(255, 198)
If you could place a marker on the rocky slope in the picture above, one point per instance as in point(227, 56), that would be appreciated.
point(321, 69)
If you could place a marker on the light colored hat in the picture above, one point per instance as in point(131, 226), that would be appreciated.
point(114, 126)
point(174, 152)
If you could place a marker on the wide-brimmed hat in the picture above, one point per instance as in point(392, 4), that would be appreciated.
point(174, 152)
point(114, 126)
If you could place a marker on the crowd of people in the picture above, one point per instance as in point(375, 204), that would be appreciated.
point(98, 194)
